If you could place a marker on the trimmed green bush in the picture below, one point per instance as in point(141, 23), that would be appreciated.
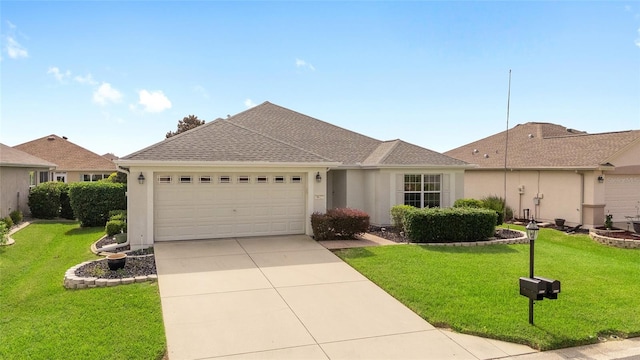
point(450, 224)
point(8, 221)
point(16, 216)
point(397, 215)
point(497, 204)
point(114, 227)
point(44, 201)
point(470, 203)
point(66, 212)
point(92, 201)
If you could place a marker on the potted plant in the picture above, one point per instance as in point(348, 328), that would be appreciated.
point(116, 261)
point(559, 222)
point(608, 223)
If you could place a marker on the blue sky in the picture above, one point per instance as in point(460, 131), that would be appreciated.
point(115, 76)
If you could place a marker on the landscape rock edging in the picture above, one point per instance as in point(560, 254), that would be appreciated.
point(615, 242)
point(72, 281)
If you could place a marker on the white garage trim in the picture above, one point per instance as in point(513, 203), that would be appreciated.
point(218, 205)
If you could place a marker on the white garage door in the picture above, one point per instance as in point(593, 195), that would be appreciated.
point(622, 195)
point(206, 206)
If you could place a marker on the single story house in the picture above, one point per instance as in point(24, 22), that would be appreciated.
point(75, 163)
point(555, 172)
point(264, 171)
point(18, 172)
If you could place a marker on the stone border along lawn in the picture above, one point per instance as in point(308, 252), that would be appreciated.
point(615, 242)
point(72, 281)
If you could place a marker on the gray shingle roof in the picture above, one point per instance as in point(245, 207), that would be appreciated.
point(14, 157)
point(544, 145)
point(271, 133)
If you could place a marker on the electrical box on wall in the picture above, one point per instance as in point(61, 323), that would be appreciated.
point(536, 201)
point(521, 189)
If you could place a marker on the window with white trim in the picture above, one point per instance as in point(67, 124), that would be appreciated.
point(422, 190)
point(244, 179)
point(262, 179)
point(278, 179)
point(296, 179)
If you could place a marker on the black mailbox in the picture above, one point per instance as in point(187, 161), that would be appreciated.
point(552, 287)
point(534, 289)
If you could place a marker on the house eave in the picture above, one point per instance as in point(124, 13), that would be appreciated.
point(545, 168)
point(222, 164)
point(408, 166)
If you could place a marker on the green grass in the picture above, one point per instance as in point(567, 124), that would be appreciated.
point(40, 319)
point(475, 290)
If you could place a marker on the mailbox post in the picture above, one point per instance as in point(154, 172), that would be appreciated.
point(532, 235)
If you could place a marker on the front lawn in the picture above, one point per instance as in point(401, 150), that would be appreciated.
point(475, 290)
point(40, 319)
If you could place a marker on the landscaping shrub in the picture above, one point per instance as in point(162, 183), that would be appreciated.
point(321, 228)
point(342, 222)
point(4, 233)
point(470, 203)
point(449, 225)
point(16, 216)
point(117, 177)
point(114, 227)
point(497, 204)
point(8, 221)
point(44, 201)
point(66, 212)
point(397, 215)
point(92, 201)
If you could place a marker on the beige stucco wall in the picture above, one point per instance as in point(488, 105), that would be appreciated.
point(575, 196)
point(14, 190)
point(140, 207)
point(375, 191)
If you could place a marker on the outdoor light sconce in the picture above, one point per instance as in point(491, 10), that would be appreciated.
point(318, 177)
point(600, 179)
point(141, 179)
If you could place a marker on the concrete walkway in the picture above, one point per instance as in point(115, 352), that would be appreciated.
point(290, 298)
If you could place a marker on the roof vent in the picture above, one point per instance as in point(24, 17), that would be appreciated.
point(530, 136)
point(486, 156)
point(569, 130)
point(51, 138)
point(475, 151)
point(64, 137)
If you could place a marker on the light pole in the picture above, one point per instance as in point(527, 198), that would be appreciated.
point(532, 235)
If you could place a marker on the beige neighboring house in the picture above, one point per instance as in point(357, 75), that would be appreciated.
point(74, 163)
point(266, 170)
point(555, 172)
point(18, 173)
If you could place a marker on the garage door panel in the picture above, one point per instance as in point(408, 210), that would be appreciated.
point(216, 210)
point(622, 195)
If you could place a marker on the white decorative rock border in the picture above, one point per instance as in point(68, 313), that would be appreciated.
point(615, 242)
point(519, 240)
point(72, 281)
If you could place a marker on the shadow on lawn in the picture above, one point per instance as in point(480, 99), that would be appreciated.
point(486, 249)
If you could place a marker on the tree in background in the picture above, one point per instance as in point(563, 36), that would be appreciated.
point(187, 123)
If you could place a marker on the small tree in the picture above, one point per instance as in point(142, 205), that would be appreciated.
point(187, 123)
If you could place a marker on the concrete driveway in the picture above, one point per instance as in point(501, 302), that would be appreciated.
point(288, 297)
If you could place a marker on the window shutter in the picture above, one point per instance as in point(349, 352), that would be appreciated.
point(446, 190)
point(399, 189)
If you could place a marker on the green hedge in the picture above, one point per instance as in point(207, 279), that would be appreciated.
point(92, 201)
point(66, 212)
point(44, 200)
point(449, 224)
point(397, 215)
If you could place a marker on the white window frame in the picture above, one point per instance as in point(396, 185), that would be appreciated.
point(279, 179)
point(262, 179)
point(224, 179)
point(424, 189)
point(296, 179)
point(244, 179)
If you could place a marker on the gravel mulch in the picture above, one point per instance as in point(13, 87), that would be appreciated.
point(134, 266)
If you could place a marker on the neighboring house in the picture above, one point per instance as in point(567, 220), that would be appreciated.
point(18, 172)
point(74, 163)
point(266, 170)
point(555, 172)
point(110, 156)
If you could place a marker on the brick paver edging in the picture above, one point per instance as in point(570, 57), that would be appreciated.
point(519, 240)
point(615, 242)
point(72, 281)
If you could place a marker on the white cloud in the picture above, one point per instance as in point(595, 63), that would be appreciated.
point(249, 103)
point(303, 64)
point(106, 94)
point(154, 101)
point(59, 75)
point(15, 50)
point(88, 79)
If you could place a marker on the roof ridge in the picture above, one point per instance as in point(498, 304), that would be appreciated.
point(278, 140)
point(390, 150)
